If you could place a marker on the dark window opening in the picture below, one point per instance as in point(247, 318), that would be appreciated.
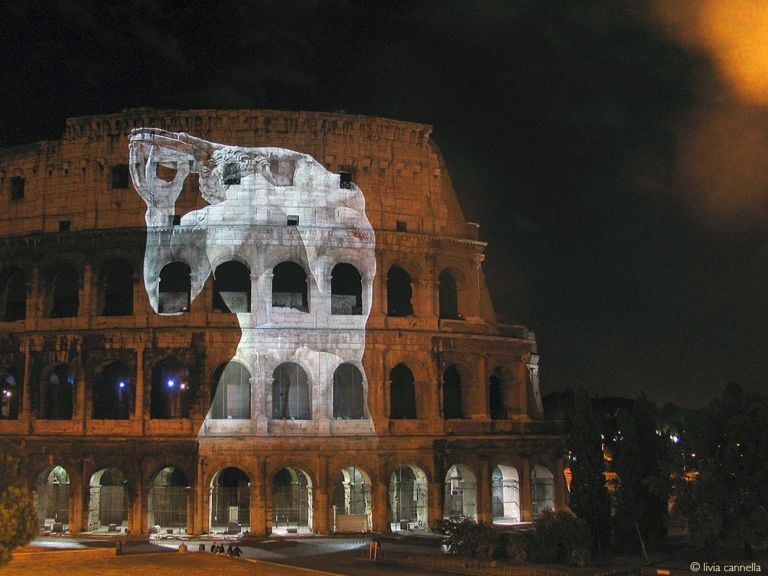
point(64, 225)
point(289, 287)
point(14, 296)
point(402, 393)
point(112, 393)
point(348, 393)
point(9, 396)
point(119, 176)
point(290, 393)
point(66, 294)
point(496, 396)
point(399, 292)
point(345, 180)
point(57, 394)
point(346, 290)
point(401, 226)
point(232, 288)
point(175, 287)
point(117, 289)
point(292, 220)
point(17, 188)
point(231, 392)
point(231, 174)
point(170, 391)
point(174, 220)
point(448, 297)
point(452, 404)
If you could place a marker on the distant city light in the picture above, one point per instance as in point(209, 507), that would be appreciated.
point(121, 384)
point(675, 438)
point(171, 383)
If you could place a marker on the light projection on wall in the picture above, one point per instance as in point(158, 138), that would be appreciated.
point(292, 255)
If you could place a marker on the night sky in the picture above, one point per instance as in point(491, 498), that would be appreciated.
point(614, 153)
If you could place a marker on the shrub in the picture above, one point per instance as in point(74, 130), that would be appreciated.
point(468, 538)
point(559, 538)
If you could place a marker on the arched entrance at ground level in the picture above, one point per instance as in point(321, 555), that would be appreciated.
point(230, 501)
point(542, 490)
point(352, 501)
point(291, 501)
point(52, 499)
point(168, 502)
point(408, 498)
point(505, 495)
point(460, 493)
point(108, 502)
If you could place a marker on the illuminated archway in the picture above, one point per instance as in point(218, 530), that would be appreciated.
point(460, 493)
point(108, 502)
point(291, 501)
point(167, 507)
point(542, 489)
point(352, 501)
point(52, 499)
point(408, 499)
point(505, 495)
point(230, 501)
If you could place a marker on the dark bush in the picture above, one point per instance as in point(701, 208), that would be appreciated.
point(559, 538)
point(469, 538)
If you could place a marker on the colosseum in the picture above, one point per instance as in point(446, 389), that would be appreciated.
point(259, 321)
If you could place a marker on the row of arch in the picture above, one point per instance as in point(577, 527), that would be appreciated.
point(231, 285)
point(114, 391)
point(169, 499)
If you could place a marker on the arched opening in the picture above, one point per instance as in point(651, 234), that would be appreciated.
point(542, 490)
point(496, 391)
point(505, 495)
point(117, 288)
point(232, 288)
point(291, 501)
point(230, 501)
point(65, 293)
point(108, 502)
point(402, 393)
point(113, 393)
point(399, 292)
point(346, 290)
point(289, 287)
point(57, 394)
point(231, 392)
point(14, 295)
point(448, 296)
point(175, 287)
point(168, 495)
point(408, 499)
point(10, 394)
point(170, 384)
point(351, 501)
point(52, 499)
point(460, 493)
point(452, 402)
point(290, 393)
point(348, 393)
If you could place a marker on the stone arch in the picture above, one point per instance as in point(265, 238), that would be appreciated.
point(13, 295)
point(108, 501)
point(230, 504)
point(290, 393)
point(291, 501)
point(174, 292)
point(502, 391)
point(168, 501)
point(10, 395)
point(542, 489)
point(115, 291)
point(57, 393)
point(460, 493)
point(352, 500)
point(408, 498)
point(346, 290)
point(64, 292)
point(231, 392)
point(112, 392)
point(348, 394)
point(505, 495)
point(170, 387)
point(232, 287)
point(52, 492)
point(453, 393)
point(290, 287)
point(402, 393)
point(399, 292)
point(448, 296)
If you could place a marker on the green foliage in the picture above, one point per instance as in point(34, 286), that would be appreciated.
point(589, 496)
point(727, 503)
point(559, 538)
point(469, 538)
point(18, 519)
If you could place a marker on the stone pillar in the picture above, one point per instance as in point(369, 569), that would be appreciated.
point(139, 505)
point(259, 500)
point(434, 501)
point(201, 493)
point(477, 289)
point(138, 407)
point(380, 513)
point(25, 408)
point(87, 288)
point(321, 509)
point(423, 297)
point(261, 298)
point(526, 496)
point(77, 491)
point(483, 493)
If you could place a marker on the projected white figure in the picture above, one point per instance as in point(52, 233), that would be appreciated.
point(300, 231)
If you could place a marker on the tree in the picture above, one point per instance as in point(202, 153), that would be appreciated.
point(589, 496)
point(643, 462)
point(727, 502)
point(18, 519)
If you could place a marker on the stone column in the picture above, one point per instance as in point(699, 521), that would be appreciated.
point(483, 493)
point(259, 500)
point(138, 407)
point(77, 500)
point(201, 492)
point(261, 298)
point(526, 496)
point(434, 499)
point(87, 303)
point(380, 513)
point(321, 509)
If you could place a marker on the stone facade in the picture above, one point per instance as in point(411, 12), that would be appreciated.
point(147, 393)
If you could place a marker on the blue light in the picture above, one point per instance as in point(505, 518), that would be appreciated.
point(121, 384)
point(171, 383)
